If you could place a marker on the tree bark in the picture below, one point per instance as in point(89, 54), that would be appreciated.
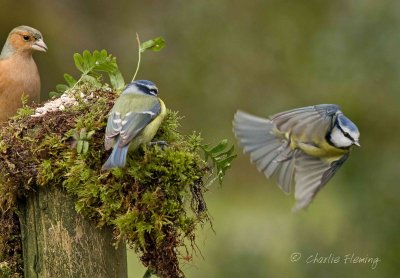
point(59, 243)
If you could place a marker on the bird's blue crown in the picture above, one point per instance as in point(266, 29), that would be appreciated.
point(142, 86)
point(343, 121)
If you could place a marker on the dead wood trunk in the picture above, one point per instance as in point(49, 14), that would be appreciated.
point(59, 243)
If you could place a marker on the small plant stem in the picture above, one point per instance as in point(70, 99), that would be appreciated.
point(139, 57)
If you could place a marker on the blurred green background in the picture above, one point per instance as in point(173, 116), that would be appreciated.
point(262, 57)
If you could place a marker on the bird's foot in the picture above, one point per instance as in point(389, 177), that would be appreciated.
point(162, 144)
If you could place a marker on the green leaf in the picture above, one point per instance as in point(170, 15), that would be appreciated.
point(78, 59)
point(230, 151)
point(95, 57)
point(93, 66)
point(76, 135)
point(154, 45)
point(85, 147)
point(221, 146)
point(69, 79)
point(90, 134)
point(62, 88)
point(88, 63)
point(54, 94)
point(82, 134)
point(220, 157)
point(229, 159)
point(103, 53)
point(79, 146)
point(117, 80)
point(92, 80)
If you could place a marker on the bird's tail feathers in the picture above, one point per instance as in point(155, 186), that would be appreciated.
point(117, 157)
point(272, 156)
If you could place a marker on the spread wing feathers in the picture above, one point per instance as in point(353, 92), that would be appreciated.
point(311, 174)
point(333, 169)
point(306, 121)
point(126, 128)
point(271, 155)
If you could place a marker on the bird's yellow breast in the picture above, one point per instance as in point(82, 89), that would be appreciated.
point(316, 147)
point(147, 134)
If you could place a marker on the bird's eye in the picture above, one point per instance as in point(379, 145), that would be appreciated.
point(346, 134)
point(26, 38)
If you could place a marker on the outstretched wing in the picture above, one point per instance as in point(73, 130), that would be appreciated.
point(306, 121)
point(272, 155)
point(128, 127)
point(311, 175)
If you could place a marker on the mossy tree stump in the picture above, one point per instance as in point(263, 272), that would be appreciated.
point(57, 242)
point(71, 212)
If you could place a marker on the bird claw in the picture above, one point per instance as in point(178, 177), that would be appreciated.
point(162, 144)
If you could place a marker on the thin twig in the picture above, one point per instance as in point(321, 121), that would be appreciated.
point(139, 54)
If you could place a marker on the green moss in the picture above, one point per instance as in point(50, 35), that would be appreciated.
point(153, 204)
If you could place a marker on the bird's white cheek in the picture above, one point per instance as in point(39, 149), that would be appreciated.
point(339, 140)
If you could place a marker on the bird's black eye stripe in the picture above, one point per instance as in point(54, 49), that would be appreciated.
point(346, 134)
point(147, 90)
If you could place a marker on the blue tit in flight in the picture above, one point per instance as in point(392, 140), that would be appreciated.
point(134, 120)
point(305, 145)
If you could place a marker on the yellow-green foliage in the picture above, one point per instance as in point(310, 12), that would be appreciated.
point(154, 203)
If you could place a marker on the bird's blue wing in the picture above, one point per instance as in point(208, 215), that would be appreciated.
point(326, 110)
point(310, 121)
point(134, 122)
point(114, 127)
point(333, 169)
point(124, 129)
point(311, 174)
point(272, 155)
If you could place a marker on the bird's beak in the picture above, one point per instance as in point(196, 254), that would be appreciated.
point(356, 143)
point(39, 45)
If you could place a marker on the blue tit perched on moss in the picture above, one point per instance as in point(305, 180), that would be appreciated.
point(134, 120)
point(307, 145)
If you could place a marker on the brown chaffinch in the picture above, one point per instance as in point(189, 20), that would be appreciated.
point(18, 71)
